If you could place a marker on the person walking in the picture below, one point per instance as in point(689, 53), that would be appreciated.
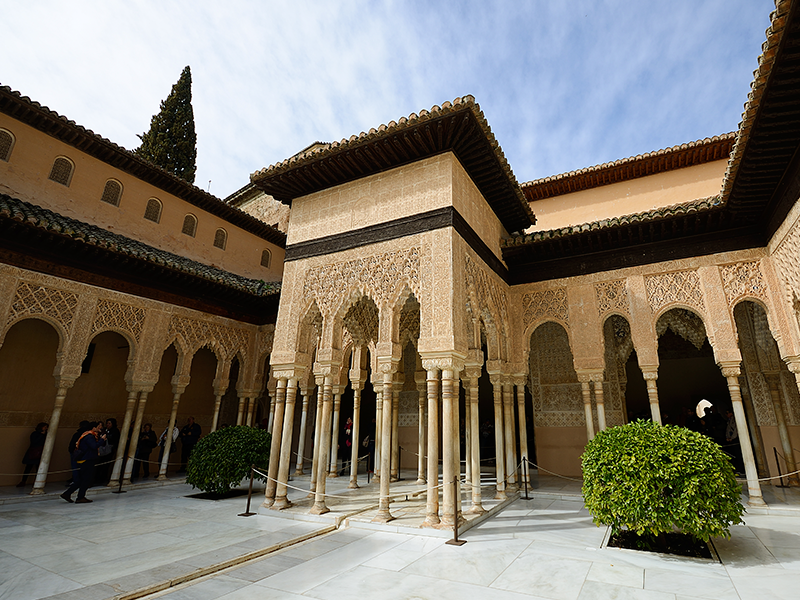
point(33, 455)
point(85, 456)
point(147, 441)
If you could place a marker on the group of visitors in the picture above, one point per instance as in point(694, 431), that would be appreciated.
point(93, 449)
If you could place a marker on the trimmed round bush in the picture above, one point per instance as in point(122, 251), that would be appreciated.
point(222, 459)
point(653, 479)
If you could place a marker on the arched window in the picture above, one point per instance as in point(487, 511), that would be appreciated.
point(153, 210)
point(220, 238)
point(6, 144)
point(112, 192)
point(189, 225)
point(62, 171)
point(266, 258)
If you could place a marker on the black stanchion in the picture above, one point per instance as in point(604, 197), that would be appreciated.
point(778, 464)
point(455, 541)
point(525, 475)
point(247, 512)
point(119, 490)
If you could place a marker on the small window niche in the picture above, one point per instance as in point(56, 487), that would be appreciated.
point(62, 171)
point(189, 225)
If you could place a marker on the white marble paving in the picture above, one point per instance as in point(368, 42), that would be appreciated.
point(556, 578)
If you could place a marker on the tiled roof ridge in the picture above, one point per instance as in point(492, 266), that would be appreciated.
point(769, 50)
point(43, 218)
point(664, 152)
point(700, 204)
point(254, 224)
point(460, 103)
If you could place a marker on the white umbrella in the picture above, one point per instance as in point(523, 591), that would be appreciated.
point(701, 408)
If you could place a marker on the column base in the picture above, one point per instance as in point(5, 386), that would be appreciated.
point(280, 503)
point(447, 521)
point(332, 474)
point(376, 478)
point(512, 487)
point(420, 481)
point(298, 473)
point(394, 478)
point(383, 516)
point(476, 509)
point(757, 502)
point(128, 481)
point(36, 492)
point(319, 508)
point(432, 520)
point(501, 495)
point(161, 478)
point(268, 502)
point(353, 485)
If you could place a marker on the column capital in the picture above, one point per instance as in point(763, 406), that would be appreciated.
point(474, 357)
point(141, 386)
point(520, 380)
point(357, 378)
point(443, 361)
point(179, 383)
point(793, 363)
point(64, 381)
point(587, 375)
point(649, 372)
point(730, 368)
point(472, 372)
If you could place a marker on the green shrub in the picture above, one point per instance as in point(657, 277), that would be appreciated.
point(222, 459)
point(653, 479)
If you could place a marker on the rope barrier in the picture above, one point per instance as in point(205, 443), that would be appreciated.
point(552, 473)
point(107, 462)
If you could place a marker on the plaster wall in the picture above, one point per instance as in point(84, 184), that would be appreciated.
point(629, 197)
point(559, 449)
point(25, 176)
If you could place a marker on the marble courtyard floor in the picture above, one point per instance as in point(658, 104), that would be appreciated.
point(124, 546)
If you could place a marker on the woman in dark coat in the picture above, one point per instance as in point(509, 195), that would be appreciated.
point(34, 452)
point(147, 441)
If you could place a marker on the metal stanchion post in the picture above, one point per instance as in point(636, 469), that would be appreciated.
point(455, 541)
point(119, 490)
point(247, 512)
point(525, 473)
point(778, 464)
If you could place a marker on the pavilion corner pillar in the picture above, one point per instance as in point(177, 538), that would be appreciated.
point(62, 386)
point(451, 509)
point(773, 381)
point(137, 427)
point(319, 507)
point(473, 374)
point(387, 367)
point(301, 442)
point(586, 392)
point(275, 443)
point(281, 500)
point(179, 385)
point(510, 437)
point(432, 506)
point(731, 372)
point(395, 469)
point(499, 438)
point(133, 394)
point(421, 391)
point(320, 380)
point(519, 381)
point(650, 374)
point(597, 382)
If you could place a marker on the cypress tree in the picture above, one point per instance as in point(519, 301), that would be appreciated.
point(171, 142)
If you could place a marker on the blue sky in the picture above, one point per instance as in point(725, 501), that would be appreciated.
point(564, 84)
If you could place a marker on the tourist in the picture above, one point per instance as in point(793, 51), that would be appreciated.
point(162, 441)
point(85, 456)
point(105, 455)
point(34, 452)
point(147, 441)
point(189, 436)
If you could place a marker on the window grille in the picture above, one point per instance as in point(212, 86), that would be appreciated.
point(6, 144)
point(266, 258)
point(153, 210)
point(189, 225)
point(61, 171)
point(220, 238)
point(112, 192)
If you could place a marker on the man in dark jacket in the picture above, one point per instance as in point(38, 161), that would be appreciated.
point(189, 436)
point(85, 456)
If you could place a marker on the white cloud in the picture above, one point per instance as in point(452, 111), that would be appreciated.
point(563, 85)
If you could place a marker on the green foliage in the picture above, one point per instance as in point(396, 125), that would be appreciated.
point(222, 459)
point(171, 142)
point(651, 479)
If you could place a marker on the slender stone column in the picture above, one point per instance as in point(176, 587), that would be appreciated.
point(317, 435)
point(499, 443)
point(650, 376)
point(123, 436)
point(251, 409)
point(320, 507)
point(281, 501)
point(523, 427)
point(134, 445)
point(240, 414)
point(62, 385)
point(333, 470)
point(275, 444)
point(384, 515)
point(218, 394)
point(600, 403)
point(301, 443)
point(178, 387)
point(271, 422)
point(731, 373)
point(586, 392)
point(783, 430)
point(357, 386)
point(432, 506)
point(395, 474)
point(378, 432)
point(467, 435)
point(450, 461)
point(473, 375)
point(421, 429)
point(510, 438)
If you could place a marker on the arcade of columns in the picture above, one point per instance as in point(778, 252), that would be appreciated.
point(80, 312)
point(335, 309)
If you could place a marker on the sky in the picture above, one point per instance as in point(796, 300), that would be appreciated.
point(564, 84)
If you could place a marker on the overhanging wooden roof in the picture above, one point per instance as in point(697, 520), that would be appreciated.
point(47, 121)
point(459, 127)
